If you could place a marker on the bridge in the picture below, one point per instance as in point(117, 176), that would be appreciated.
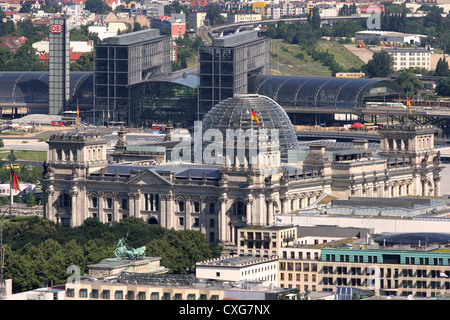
point(206, 32)
point(438, 116)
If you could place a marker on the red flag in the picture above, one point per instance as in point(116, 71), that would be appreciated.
point(442, 274)
point(14, 180)
point(254, 117)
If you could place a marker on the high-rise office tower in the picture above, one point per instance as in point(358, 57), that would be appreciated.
point(122, 62)
point(59, 64)
point(226, 64)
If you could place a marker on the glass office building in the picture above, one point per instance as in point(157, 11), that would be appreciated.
point(226, 64)
point(121, 62)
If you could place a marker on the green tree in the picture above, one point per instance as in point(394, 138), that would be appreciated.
point(443, 88)
point(5, 56)
point(31, 201)
point(442, 68)
point(409, 82)
point(213, 15)
point(314, 18)
point(25, 7)
point(380, 65)
point(84, 63)
point(97, 6)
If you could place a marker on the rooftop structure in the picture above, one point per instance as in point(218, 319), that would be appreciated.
point(226, 64)
point(236, 113)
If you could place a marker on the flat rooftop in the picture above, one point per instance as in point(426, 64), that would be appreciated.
point(133, 37)
point(235, 261)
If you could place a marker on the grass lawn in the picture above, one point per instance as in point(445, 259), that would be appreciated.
point(285, 59)
point(25, 155)
point(341, 54)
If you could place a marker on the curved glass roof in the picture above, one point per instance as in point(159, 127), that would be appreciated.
point(316, 92)
point(235, 113)
point(32, 87)
point(414, 238)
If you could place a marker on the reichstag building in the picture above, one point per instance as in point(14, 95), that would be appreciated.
point(219, 198)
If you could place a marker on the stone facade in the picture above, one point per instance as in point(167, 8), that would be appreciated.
point(218, 200)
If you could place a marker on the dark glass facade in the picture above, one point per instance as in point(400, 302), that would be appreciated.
point(159, 101)
point(122, 62)
point(111, 84)
point(226, 64)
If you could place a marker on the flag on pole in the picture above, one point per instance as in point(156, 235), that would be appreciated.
point(254, 117)
point(78, 113)
point(442, 274)
point(14, 181)
point(408, 103)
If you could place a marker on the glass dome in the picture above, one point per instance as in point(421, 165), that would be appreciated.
point(236, 113)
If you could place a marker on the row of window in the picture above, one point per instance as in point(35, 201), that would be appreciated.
point(374, 259)
point(131, 295)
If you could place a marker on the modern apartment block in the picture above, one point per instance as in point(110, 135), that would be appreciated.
point(59, 64)
point(121, 62)
point(405, 58)
point(415, 271)
point(227, 63)
point(412, 268)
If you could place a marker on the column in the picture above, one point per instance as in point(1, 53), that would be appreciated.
point(74, 194)
point(222, 224)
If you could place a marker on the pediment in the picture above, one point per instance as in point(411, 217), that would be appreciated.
point(149, 177)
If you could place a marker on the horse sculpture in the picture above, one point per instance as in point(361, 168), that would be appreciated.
point(126, 253)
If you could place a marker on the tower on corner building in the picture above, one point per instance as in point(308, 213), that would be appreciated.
point(59, 64)
point(75, 156)
point(414, 145)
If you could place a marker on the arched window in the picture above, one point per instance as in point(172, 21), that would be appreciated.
point(152, 220)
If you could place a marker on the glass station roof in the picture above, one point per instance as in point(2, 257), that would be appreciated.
point(32, 87)
point(317, 92)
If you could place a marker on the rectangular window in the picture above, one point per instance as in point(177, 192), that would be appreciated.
point(109, 203)
point(196, 207)
point(105, 294)
point(181, 206)
point(118, 295)
point(125, 204)
point(94, 202)
point(130, 295)
point(83, 293)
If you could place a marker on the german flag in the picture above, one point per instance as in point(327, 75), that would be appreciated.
point(14, 180)
point(254, 117)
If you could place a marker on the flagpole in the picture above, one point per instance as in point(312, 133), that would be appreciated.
point(11, 183)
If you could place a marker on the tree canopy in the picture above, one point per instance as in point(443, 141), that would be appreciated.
point(380, 65)
point(38, 252)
